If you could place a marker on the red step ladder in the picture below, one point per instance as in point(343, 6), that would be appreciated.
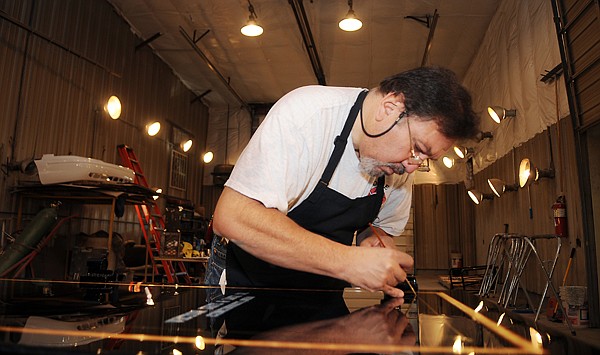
point(152, 223)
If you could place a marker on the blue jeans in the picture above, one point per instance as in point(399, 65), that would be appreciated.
point(215, 267)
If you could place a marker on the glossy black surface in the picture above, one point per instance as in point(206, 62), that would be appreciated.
point(45, 317)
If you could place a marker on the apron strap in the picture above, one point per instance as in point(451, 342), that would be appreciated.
point(341, 140)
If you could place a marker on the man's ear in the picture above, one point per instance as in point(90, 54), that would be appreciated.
point(394, 104)
point(399, 101)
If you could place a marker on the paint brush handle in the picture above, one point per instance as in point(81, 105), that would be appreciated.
point(377, 235)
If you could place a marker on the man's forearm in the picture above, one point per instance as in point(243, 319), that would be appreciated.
point(271, 236)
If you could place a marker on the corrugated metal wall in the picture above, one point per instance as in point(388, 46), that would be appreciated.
point(554, 148)
point(580, 25)
point(442, 226)
point(447, 221)
point(60, 60)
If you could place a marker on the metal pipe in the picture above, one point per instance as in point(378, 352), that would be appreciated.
point(59, 45)
point(430, 38)
point(307, 37)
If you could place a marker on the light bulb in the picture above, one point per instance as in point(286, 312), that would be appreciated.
point(187, 145)
point(153, 128)
point(207, 157)
point(252, 29)
point(113, 107)
point(350, 23)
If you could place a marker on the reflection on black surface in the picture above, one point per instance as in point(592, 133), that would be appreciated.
point(61, 321)
point(276, 321)
point(318, 319)
point(253, 321)
point(109, 324)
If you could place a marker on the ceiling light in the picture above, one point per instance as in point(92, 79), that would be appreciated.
point(153, 128)
point(207, 157)
point(186, 145)
point(478, 196)
point(498, 113)
point(350, 23)
point(113, 107)
point(252, 29)
point(499, 187)
point(448, 162)
point(463, 152)
point(528, 173)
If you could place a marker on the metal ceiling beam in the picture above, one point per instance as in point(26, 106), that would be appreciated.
point(211, 66)
point(307, 37)
point(199, 97)
point(148, 41)
point(30, 30)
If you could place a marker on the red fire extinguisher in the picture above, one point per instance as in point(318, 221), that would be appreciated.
point(559, 208)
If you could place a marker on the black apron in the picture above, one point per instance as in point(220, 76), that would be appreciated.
point(325, 212)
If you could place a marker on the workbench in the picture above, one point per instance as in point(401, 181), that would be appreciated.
point(91, 193)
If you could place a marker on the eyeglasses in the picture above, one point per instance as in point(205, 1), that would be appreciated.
point(414, 158)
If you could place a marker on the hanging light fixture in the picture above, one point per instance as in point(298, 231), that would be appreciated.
point(528, 173)
point(448, 162)
point(153, 128)
point(478, 196)
point(498, 113)
point(186, 145)
point(463, 152)
point(207, 157)
point(499, 187)
point(113, 107)
point(350, 23)
point(251, 29)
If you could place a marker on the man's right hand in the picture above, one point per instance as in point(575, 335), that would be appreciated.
point(378, 269)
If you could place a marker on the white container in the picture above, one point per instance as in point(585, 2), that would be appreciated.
point(574, 299)
point(456, 260)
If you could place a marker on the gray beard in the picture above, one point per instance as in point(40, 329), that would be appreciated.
point(371, 166)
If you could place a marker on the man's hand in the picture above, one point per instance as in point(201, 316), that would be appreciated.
point(391, 274)
point(378, 268)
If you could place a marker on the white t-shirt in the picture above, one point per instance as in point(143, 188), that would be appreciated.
point(286, 157)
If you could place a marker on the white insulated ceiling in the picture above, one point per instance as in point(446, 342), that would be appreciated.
point(262, 69)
